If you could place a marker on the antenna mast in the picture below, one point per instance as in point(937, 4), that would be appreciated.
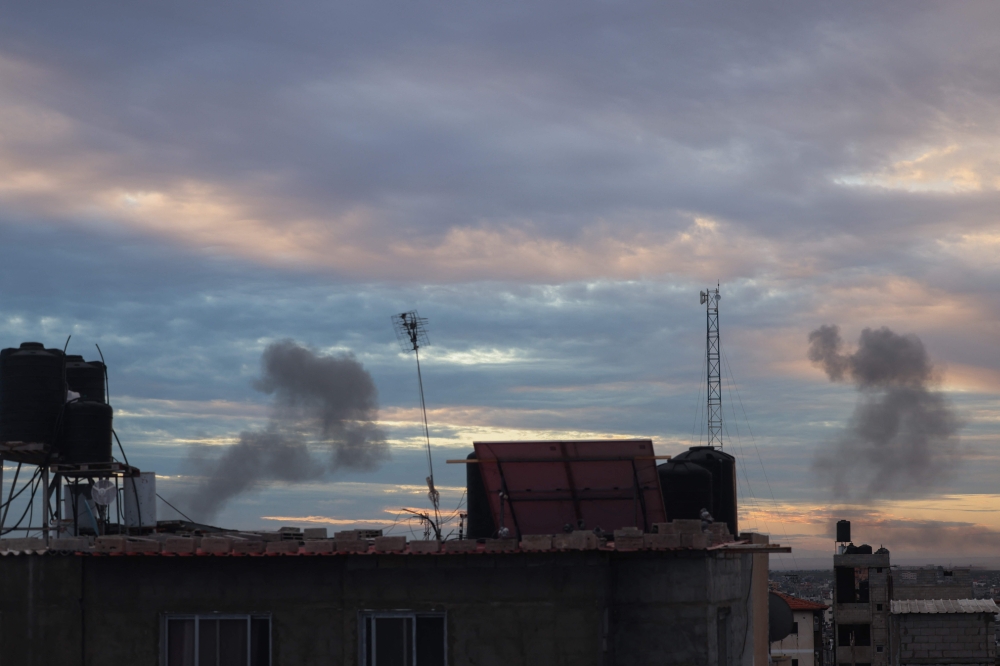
point(411, 329)
point(710, 299)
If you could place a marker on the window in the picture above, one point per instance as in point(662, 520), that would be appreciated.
point(402, 638)
point(852, 585)
point(878, 607)
point(795, 662)
point(878, 570)
point(216, 639)
point(795, 627)
point(879, 648)
point(861, 633)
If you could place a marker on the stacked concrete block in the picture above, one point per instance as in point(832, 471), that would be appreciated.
point(22, 544)
point(314, 533)
point(661, 541)
point(629, 538)
point(109, 544)
point(215, 545)
point(664, 528)
point(142, 546)
point(390, 544)
point(179, 546)
point(946, 638)
point(719, 533)
point(247, 547)
point(460, 546)
point(576, 540)
point(318, 547)
point(536, 542)
point(425, 547)
point(501, 545)
point(282, 548)
point(351, 545)
point(70, 544)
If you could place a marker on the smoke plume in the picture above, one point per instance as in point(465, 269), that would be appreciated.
point(321, 404)
point(901, 438)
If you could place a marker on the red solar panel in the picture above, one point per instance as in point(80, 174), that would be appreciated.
point(545, 486)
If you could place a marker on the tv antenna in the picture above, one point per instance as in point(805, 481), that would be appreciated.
point(710, 299)
point(411, 330)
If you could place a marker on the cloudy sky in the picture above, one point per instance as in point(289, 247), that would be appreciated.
point(551, 184)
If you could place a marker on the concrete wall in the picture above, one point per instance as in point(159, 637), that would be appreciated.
point(932, 583)
point(595, 608)
point(944, 638)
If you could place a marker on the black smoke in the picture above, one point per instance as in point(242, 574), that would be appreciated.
point(902, 437)
point(323, 418)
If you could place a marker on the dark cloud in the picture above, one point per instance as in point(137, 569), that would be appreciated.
point(902, 437)
point(320, 402)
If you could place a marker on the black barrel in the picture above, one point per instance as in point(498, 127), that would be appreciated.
point(481, 525)
point(32, 393)
point(85, 378)
point(723, 469)
point(86, 432)
point(843, 531)
point(686, 488)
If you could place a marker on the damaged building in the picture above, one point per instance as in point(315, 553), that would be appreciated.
point(909, 616)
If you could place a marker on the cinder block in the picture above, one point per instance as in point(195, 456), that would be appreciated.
point(501, 545)
point(179, 545)
point(350, 545)
point(248, 547)
point(575, 540)
point(687, 526)
point(460, 546)
point(142, 546)
point(29, 543)
point(661, 541)
point(70, 544)
point(697, 541)
point(109, 544)
point(630, 542)
point(628, 531)
point(318, 547)
point(536, 542)
point(664, 528)
point(215, 545)
point(425, 547)
point(390, 544)
point(314, 533)
point(282, 548)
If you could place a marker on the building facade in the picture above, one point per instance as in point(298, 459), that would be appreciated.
point(939, 632)
point(291, 604)
point(804, 646)
point(861, 608)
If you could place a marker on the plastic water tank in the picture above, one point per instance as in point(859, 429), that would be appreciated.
point(480, 524)
point(86, 432)
point(32, 393)
point(85, 378)
point(686, 488)
point(723, 469)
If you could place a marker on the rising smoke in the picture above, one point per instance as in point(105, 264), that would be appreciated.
point(901, 438)
point(320, 404)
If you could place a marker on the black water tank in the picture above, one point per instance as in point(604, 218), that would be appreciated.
point(843, 531)
point(723, 469)
point(686, 488)
point(864, 549)
point(32, 393)
point(86, 378)
point(481, 525)
point(86, 432)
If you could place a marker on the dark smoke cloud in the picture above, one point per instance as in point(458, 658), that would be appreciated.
point(320, 403)
point(901, 438)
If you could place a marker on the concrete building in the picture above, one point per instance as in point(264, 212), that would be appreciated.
point(935, 632)
point(571, 599)
point(861, 607)
point(804, 646)
point(932, 583)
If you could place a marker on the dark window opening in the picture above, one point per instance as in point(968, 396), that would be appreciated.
point(878, 570)
point(852, 585)
point(948, 573)
point(795, 627)
point(879, 648)
point(860, 632)
point(403, 639)
point(795, 662)
point(217, 640)
point(878, 607)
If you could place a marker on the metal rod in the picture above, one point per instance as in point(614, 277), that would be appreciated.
point(45, 505)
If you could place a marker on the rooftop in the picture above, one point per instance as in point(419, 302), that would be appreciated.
point(795, 603)
point(900, 607)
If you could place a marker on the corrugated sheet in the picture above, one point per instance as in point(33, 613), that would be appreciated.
point(944, 606)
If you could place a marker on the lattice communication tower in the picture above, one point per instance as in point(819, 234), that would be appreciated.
point(710, 299)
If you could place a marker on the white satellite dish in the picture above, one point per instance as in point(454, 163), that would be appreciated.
point(103, 492)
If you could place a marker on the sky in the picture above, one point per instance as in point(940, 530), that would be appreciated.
point(551, 185)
